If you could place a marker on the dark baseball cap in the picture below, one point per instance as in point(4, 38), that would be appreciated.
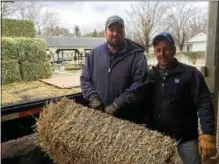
point(163, 36)
point(114, 19)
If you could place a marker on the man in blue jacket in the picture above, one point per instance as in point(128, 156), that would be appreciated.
point(180, 92)
point(113, 72)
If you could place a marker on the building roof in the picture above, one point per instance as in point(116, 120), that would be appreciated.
point(71, 41)
point(200, 37)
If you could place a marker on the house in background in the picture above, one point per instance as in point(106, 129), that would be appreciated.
point(197, 43)
point(70, 46)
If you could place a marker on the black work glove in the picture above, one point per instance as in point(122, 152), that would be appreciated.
point(112, 109)
point(95, 103)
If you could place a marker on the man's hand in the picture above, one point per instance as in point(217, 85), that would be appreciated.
point(207, 147)
point(95, 103)
point(112, 109)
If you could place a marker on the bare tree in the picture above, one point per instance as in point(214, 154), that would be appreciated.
point(146, 19)
point(42, 17)
point(179, 22)
point(7, 9)
point(95, 33)
point(57, 31)
point(198, 24)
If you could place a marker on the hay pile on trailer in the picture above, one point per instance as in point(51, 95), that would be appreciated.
point(74, 134)
point(27, 52)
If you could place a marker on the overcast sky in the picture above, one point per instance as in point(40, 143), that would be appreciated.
point(90, 15)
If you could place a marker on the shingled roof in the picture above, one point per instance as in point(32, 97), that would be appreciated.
point(200, 37)
point(71, 41)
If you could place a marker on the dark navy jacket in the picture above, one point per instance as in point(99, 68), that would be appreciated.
point(177, 99)
point(115, 77)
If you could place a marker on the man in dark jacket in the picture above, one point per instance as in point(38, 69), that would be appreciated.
point(180, 92)
point(113, 72)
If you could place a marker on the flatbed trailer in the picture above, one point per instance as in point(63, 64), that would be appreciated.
point(18, 137)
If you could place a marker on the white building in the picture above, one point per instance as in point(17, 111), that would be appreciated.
point(197, 43)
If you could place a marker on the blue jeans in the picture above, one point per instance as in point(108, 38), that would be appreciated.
point(188, 152)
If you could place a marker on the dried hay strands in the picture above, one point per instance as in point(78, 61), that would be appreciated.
point(31, 49)
point(10, 71)
point(73, 134)
point(35, 71)
point(17, 28)
point(9, 49)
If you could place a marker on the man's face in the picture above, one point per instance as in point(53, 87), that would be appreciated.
point(164, 53)
point(115, 34)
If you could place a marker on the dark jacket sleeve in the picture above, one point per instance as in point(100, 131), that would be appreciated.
point(133, 94)
point(86, 80)
point(203, 103)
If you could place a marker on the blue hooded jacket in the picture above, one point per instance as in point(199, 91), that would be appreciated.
point(115, 77)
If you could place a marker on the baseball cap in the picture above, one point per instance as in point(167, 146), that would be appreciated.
point(163, 36)
point(114, 19)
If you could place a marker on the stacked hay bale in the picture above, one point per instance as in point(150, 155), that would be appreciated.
point(33, 61)
point(23, 56)
point(18, 28)
point(74, 134)
point(10, 66)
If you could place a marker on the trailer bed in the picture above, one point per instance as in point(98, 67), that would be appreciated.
point(29, 91)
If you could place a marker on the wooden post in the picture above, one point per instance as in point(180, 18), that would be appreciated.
point(212, 57)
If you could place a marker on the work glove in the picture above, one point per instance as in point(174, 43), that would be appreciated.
point(95, 103)
point(207, 148)
point(112, 109)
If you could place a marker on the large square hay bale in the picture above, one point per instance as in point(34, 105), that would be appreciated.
point(10, 71)
point(18, 28)
point(31, 71)
point(9, 49)
point(73, 134)
point(31, 49)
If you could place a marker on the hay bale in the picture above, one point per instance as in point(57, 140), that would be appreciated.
point(18, 28)
point(73, 134)
point(8, 49)
point(31, 49)
point(34, 71)
point(10, 71)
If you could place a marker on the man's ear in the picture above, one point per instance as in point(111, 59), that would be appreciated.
point(154, 49)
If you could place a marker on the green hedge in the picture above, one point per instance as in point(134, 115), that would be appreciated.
point(18, 28)
point(10, 71)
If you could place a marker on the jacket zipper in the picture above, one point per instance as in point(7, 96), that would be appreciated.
point(110, 66)
point(164, 77)
point(108, 78)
